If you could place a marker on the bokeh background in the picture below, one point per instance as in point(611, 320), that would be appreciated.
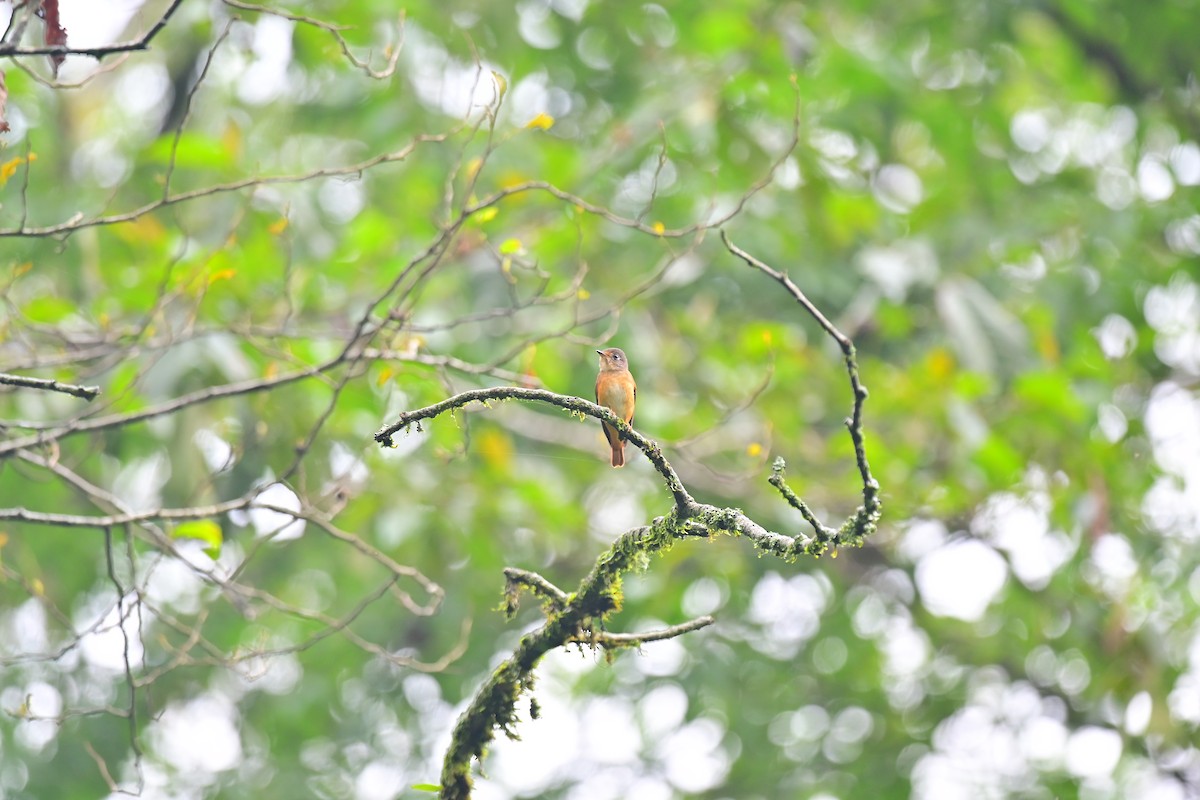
point(276, 227)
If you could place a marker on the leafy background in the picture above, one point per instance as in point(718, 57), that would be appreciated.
point(996, 201)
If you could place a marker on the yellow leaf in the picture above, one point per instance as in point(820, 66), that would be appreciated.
point(221, 275)
point(510, 246)
point(10, 167)
point(22, 268)
point(543, 121)
point(1048, 346)
point(512, 178)
point(488, 214)
point(385, 375)
point(834, 553)
point(501, 84)
point(39, 588)
point(473, 167)
point(496, 448)
point(766, 336)
point(583, 294)
point(3, 538)
point(659, 228)
point(278, 226)
point(231, 140)
point(204, 530)
point(754, 449)
point(143, 230)
point(941, 363)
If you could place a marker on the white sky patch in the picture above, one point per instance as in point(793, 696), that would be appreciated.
point(217, 453)
point(549, 745)
point(199, 737)
point(1020, 526)
point(1114, 564)
point(661, 659)
point(41, 700)
point(345, 465)
point(454, 87)
point(662, 710)
point(140, 481)
point(994, 745)
point(1138, 712)
point(612, 508)
point(1093, 752)
point(380, 780)
point(789, 612)
point(897, 188)
point(899, 266)
point(265, 77)
point(1154, 179)
point(173, 584)
point(1174, 313)
point(1111, 422)
point(1185, 163)
point(342, 198)
point(111, 632)
point(1172, 506)
point(961, 579)
point(694, 759)
point(1116, 335)
point(23, 629)
point(922, 536)
point(279, 526)
point(604, 716)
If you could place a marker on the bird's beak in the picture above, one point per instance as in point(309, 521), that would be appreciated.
point(599, 352)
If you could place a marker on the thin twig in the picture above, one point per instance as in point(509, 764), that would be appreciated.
point(96, 52)
point(86, 392)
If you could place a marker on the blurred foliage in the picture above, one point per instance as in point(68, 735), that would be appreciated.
point(997, 201)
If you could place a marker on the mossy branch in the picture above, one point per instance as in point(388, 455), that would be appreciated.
point(576, 405)
point(579, 617)
point(866, 517)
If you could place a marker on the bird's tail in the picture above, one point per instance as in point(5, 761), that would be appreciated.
point(618, 455)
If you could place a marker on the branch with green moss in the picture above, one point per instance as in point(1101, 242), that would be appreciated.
point(576, 405)
point(580, 617)
point(866, 517)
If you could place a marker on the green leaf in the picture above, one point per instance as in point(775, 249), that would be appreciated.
point(204, 530)
point(427, 787)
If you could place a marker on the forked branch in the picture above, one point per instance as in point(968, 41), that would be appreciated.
point(579, 617)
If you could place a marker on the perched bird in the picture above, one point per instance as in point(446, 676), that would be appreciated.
point(616, 390)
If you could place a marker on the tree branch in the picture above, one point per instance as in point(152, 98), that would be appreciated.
point(61, 51)
point(579, 617)
point(684, 503)
point(86, 392)
point(866, 517)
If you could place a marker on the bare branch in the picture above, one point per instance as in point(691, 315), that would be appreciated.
point(11, 50)
point(86, 392)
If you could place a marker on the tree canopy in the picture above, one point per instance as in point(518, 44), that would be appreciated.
point(942, 257)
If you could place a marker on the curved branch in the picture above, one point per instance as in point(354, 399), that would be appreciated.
point(865, 519)
point(684, 504)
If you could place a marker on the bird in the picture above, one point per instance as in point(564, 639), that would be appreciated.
point(616, 390)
